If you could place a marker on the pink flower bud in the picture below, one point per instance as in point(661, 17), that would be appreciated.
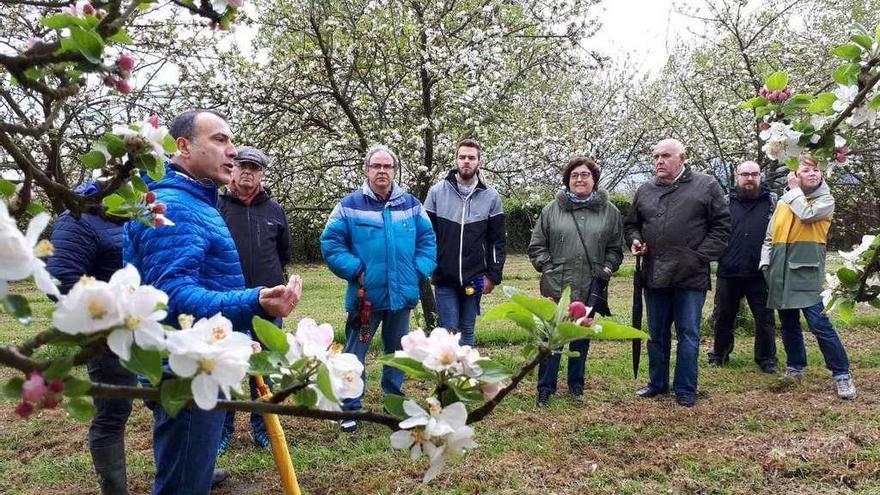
point(126, 61)
point(763, 126)
point(154, 120)
point(763, 92)
point(52, 402)
point(576, 310)
point(149, 197)
point(159, 220)
point(24, 409)
point(237, 4)
point(122, 86)
point(159, 208)
point(57, 386)
point(88, 9)
point(34, 388)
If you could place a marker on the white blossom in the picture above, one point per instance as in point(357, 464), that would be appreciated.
point(216, 357)
point(22, 252)
point(150, 131)
point(851, 258)
point(845, 96)
point(91, 306)
point(781, 141)
point(142, 308)
point(441, 352)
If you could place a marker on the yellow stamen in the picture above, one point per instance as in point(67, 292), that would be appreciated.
point(132, 322)
point(97, 310)
point(207, 365)
point(44, 249)
point(218, 334)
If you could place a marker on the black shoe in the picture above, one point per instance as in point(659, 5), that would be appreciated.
point(543, 398)
point(349, 425)
point(648, 392)
point(218, 477)
point(685, 401)
point(769, 368)
point(576, 391)
point(716, 361)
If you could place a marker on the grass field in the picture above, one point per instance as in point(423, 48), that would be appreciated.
point(748, 434)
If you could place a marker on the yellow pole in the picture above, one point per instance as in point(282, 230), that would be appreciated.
point(279, 445)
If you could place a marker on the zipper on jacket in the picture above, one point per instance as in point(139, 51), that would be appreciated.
point(461, 235)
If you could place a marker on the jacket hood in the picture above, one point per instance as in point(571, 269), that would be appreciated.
point(822, 190)
point(566, 204)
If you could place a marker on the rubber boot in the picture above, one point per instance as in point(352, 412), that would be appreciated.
point(110, 467)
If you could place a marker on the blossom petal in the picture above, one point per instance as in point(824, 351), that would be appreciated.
point(205, 390)
point(119, 341)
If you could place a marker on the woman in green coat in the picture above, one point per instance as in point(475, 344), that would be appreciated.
point(579, 236)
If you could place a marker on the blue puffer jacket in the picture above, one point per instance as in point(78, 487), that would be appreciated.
point(391, 240)
point(90, 245)
point(194, 261)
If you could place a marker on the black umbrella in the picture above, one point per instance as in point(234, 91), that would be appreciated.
point(637, 315)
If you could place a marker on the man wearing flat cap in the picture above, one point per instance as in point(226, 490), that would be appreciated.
point(261, 233)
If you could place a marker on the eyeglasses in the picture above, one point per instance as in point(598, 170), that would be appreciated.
point(746, 175)
point(380, 166)
point(581, 175)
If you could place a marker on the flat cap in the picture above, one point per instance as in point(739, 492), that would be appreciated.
point(252, 155)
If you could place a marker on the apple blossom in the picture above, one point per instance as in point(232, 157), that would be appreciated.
point(79, 9)
point(34, 388)
point(216, 357)
point(90, 306)
point(142, 308)
point(851, 258)
point(21, 253)
point(781, 141)
point(146, 134)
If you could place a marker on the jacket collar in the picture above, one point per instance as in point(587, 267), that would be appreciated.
point(177, 178)
point(686, 176)
point(261, 196)
point(394, 198)
point(822, 190)
point(450, 177)
point(566, 204)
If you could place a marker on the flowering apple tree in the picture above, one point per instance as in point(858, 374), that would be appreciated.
point(824, 125)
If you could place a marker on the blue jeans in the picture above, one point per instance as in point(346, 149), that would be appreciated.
point(458, 311)
point(829, 343)
point(683, 307)
point(258, 424)
point(395, 324)
point(108, 424)
point(549, 369)
point(185, 450)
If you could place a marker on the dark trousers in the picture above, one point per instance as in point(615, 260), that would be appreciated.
point(728, 294)
point(548, 370)
point(108, 424)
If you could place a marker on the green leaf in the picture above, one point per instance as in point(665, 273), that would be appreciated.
point(800, 100)
point(113, 201)
point(34, 208)
point(261, 364)
point(777, 81)
point(271, 336)
point(467, 393)
point(792, 164)
point(513, 312)
point(846, 310)
point(138, 184)
point(74, 387)
point(93, 159)
point(175, 394)
point(604, 329)
point(822, 103)
point(306, 397)
point(80, 408)
point(18, 306)
point(59, 368)
point(169, 144)
point(129, 194)
point(7, 189)
point(12, 389)
point(493, 371)
point(115, 145)
point(568, 331)
point(849, 278)
point(846, 74)
point(88, 43)
point(874, 104)
point(410, 366)
point(324, 385)
point(862, 40)
point(33, 73)
point(145, 363)
point(540, 307)
point(121, 37)
point(152, 165)
point(394, 405)
point(758, 101)
point(58, 21)
point(848, 52)
point(529, 351)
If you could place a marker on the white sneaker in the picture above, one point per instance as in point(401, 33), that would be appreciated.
point(846, 389)
point(349, 425)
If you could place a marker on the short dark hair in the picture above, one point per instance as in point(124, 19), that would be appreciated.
point(469, 143)
point(184, 125)
point(576, 162)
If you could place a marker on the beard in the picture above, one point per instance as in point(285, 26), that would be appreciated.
point(467, 175)
point(750, 193)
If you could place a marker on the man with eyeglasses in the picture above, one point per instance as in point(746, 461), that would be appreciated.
point(679, 223)
point(379, 238)
point(469, 223)
point(259, 227)
point(751, 207)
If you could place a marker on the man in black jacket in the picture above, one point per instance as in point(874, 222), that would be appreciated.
point(469, 223)
point(679, 223)
point(751, 206)
point(262, 236)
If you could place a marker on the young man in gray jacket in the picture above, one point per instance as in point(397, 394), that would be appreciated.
point(469, 223)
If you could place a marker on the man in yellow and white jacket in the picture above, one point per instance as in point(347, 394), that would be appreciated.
point(793, 261)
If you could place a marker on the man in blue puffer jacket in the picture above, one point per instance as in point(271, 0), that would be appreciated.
point(91, 245)
point(196, 263)
point(379, 238)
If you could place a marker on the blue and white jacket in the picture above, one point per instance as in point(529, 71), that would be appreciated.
point(391, 241)
point(194, 261)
